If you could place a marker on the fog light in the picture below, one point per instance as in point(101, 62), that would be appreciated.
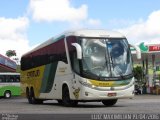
point(86, 93)
point(133, 92)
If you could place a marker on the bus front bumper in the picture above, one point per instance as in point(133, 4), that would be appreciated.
point(87, 93)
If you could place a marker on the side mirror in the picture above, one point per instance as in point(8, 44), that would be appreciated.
point(138, 51)
point(78, 49)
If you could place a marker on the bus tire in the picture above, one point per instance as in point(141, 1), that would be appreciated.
point(60, 102)
point(33, 100)
point(66, 98)
point(7, 94)
point(109, 102)
point(28, 95)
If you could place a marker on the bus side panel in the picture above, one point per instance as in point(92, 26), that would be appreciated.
point(32, 78)
point(48, 77)
point(15, 90)
point(54, 78)
point(40, 78)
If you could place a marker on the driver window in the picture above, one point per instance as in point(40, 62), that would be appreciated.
point(94, 54)
point(74, 62)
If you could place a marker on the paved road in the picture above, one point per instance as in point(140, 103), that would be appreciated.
point(139, 104)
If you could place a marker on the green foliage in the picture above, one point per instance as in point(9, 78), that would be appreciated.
point(138, 74)
point(11, 53)
point(18, 69)
point(158, 76)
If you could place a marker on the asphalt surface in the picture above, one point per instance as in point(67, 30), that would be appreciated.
point(140, 104)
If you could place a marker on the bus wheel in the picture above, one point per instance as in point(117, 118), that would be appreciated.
point(60, 102)
point(7, 94)
point(32, 98)
point(28, 96)
point(66, 98)
point(109, 102)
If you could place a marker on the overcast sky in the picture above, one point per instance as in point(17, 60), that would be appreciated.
point(27, 23)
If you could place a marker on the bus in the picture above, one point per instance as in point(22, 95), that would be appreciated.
point(79, 66)
point(9, 84)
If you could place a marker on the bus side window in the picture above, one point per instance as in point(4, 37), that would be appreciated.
point(74, 61)
point(6, 78)
point(11, 79)
point(1, 79)
point(17, 79)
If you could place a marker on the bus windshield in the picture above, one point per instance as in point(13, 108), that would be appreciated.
point(106, 58)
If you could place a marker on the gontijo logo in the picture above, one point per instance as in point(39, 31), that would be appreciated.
point(34, 73)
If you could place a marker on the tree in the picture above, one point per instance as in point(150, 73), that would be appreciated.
point(138, 74)
point(11, 53)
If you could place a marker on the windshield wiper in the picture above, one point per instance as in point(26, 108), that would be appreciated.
point(125, 76)
point(88, 73)
point(122, 76)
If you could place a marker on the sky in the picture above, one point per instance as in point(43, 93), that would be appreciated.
point(25, 24)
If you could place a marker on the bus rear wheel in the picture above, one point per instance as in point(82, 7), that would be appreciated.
point(60, 102)
point(7, 94)
point(109, 102)
point(32, 99)
point(28, 96)
point(66, 98)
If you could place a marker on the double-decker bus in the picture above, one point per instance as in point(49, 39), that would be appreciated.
point(79, 66)
point(9, 84)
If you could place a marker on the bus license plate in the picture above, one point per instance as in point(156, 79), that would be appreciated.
point(112, 94)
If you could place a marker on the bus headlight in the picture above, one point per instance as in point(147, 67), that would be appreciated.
point(87, 84)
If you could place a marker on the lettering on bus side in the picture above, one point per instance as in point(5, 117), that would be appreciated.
point(34, 73)
point(104, 84)
point(62, 69)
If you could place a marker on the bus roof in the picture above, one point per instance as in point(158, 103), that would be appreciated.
point(9, 73)
point(94, 33)
point(80, 33)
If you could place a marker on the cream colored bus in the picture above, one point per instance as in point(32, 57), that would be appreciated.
point(79, 66)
